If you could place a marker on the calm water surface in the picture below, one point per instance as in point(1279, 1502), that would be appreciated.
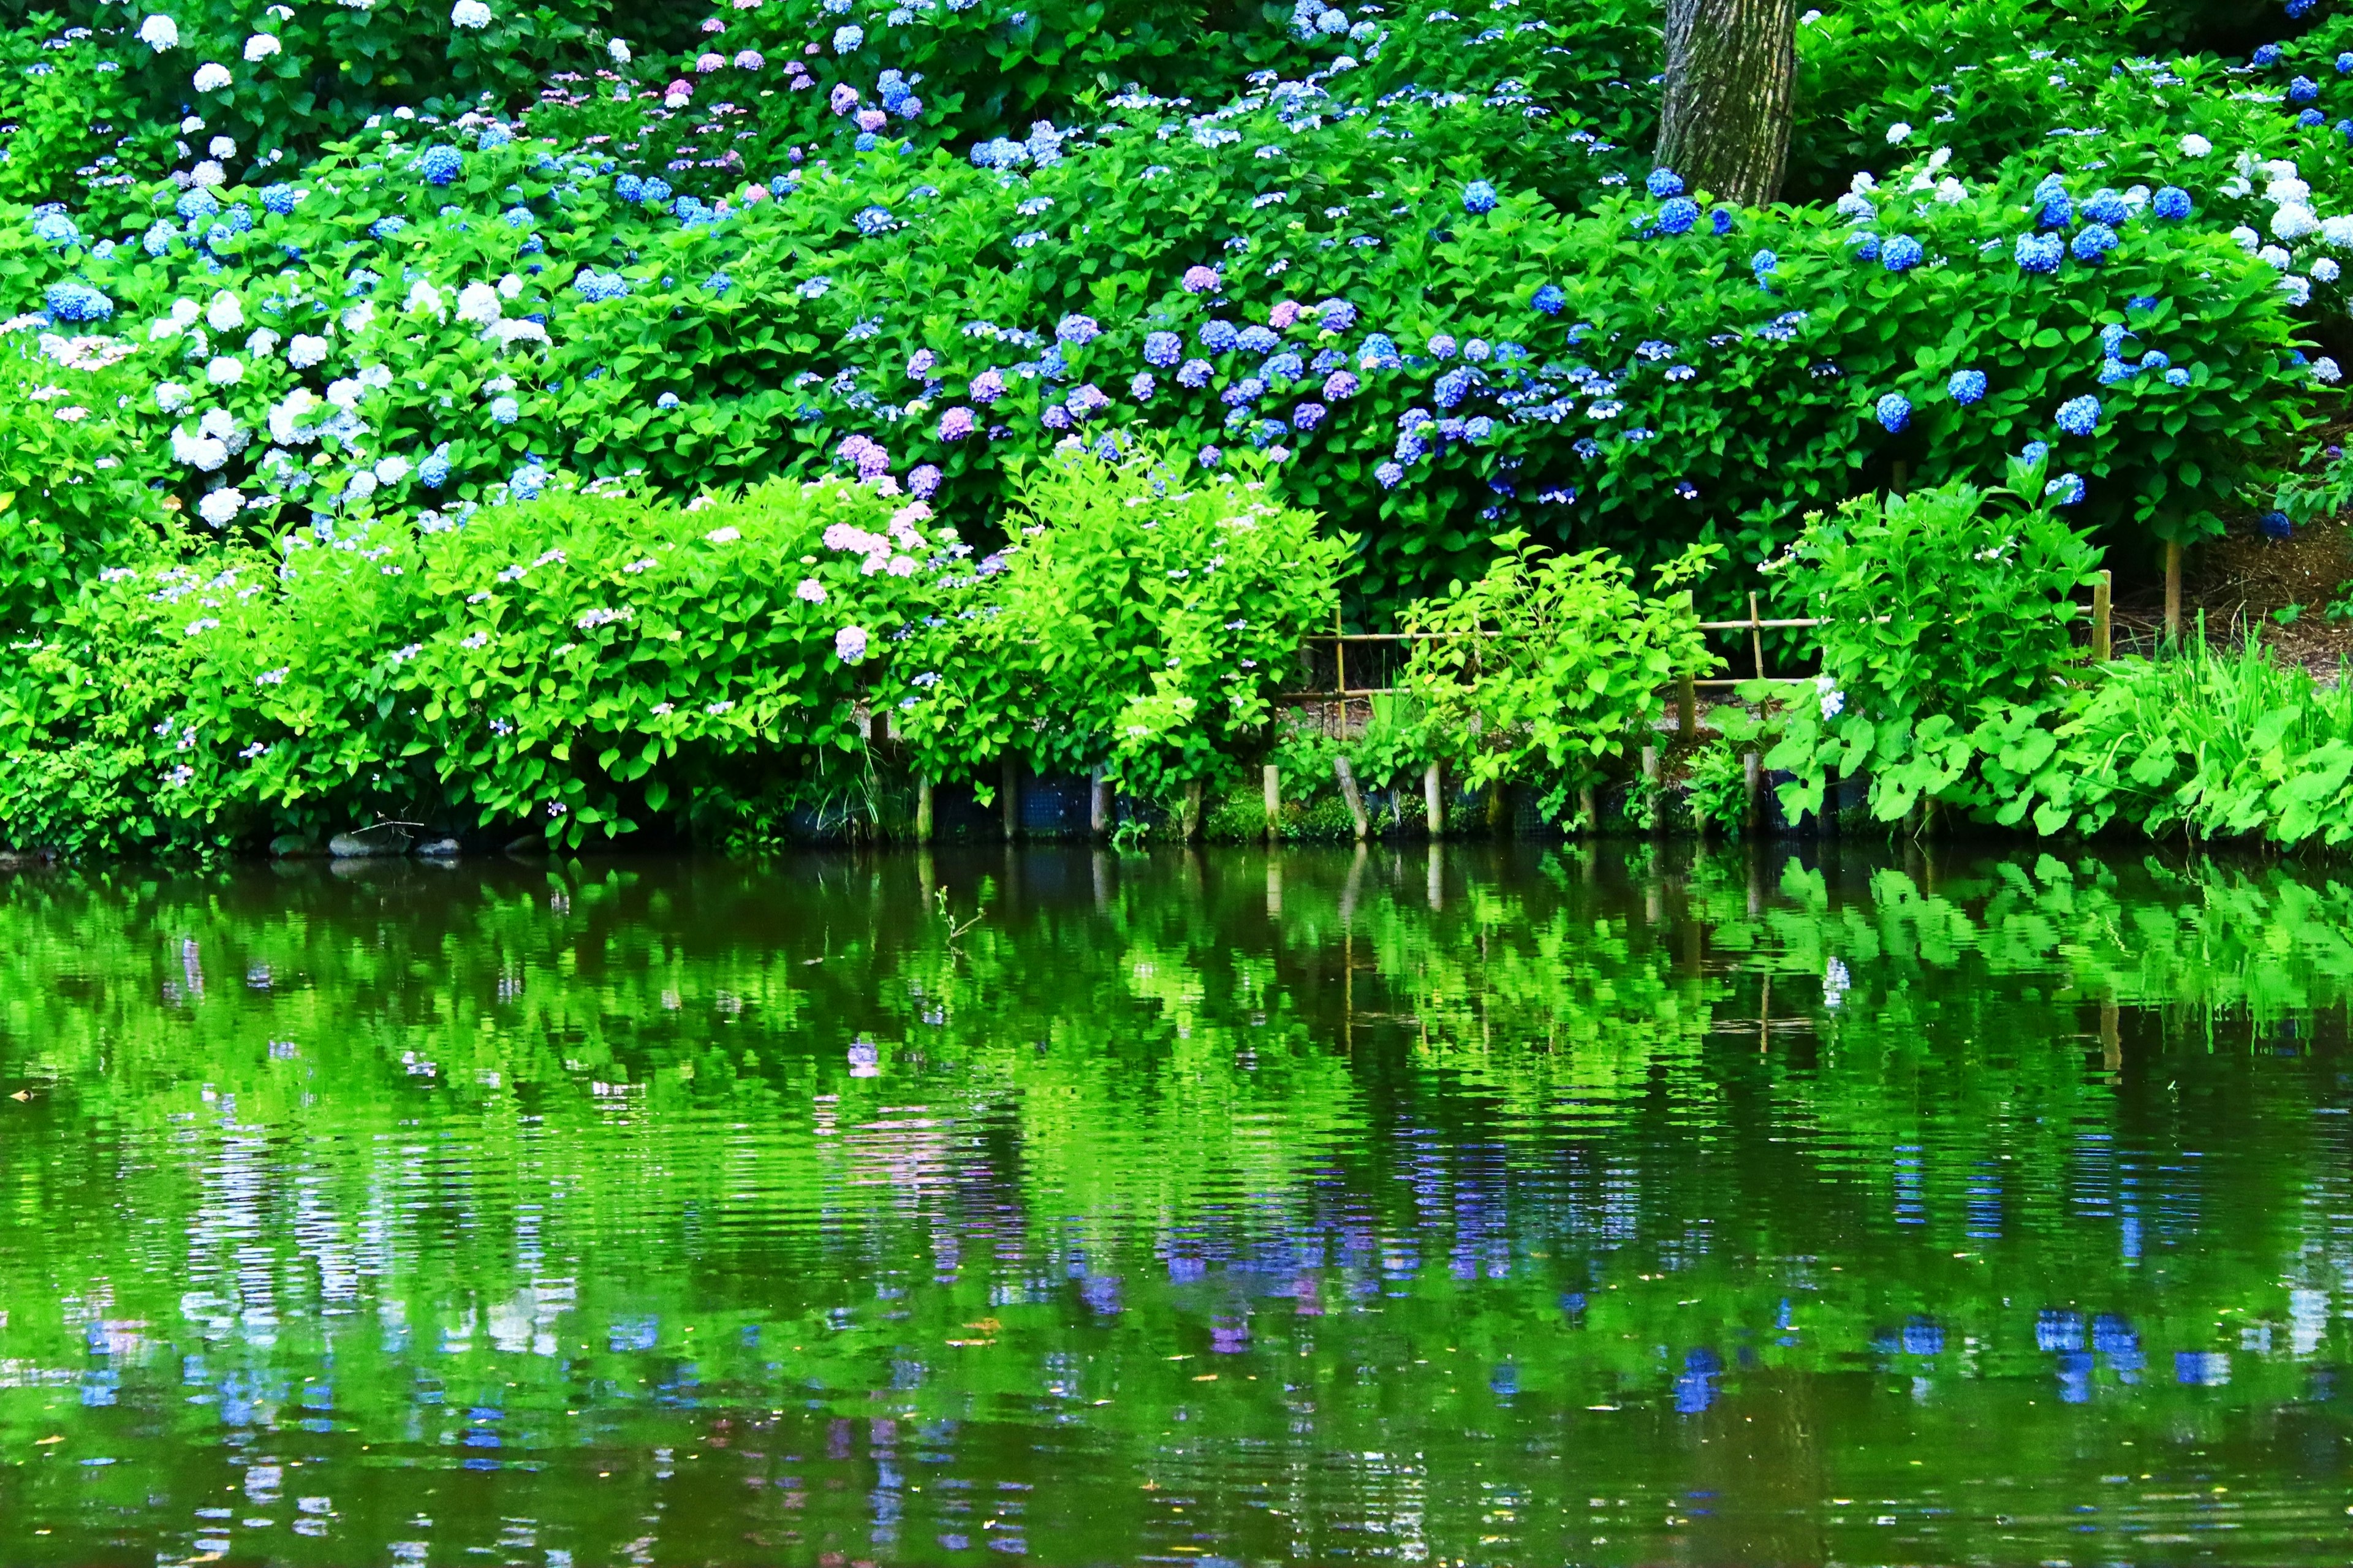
point(1615, 1205)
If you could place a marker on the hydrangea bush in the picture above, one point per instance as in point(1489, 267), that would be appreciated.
point(381, 271)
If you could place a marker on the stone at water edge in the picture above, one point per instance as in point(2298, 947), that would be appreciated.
point(442, 849)
point(290, 846)
point(367, 842)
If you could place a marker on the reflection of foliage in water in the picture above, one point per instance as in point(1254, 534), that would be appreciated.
point(1575, 1130)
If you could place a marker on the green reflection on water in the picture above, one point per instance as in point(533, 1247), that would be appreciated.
point(1594, 1204)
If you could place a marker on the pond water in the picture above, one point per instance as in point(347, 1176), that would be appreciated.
point(1623, 1204)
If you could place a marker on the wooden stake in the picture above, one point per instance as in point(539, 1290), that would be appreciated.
point(1008, 788)
point(2172, 591)
point(1433, 798)
point(1756, 636)
point(1188, 820)
point(1348, 793)
point(923, 811)
point(1271, 776)
point(1098, 804)
point(1687, 708)
point(2103, 619)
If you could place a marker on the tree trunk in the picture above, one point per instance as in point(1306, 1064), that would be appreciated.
point(1732, 68)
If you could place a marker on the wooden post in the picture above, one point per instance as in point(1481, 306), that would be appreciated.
point(1008, 789)
point(1756, 636)
point(1588, 807)
point(2103, 619)
point(1752, 777)
point(1499, 809)
point(1348, 793)
point(1271, 776)
point(1188, 818)
point(923, 811)
point(1340, 667)
point(1687, 708)
point(1098, 804)
point(1433, 798)
point(2172, 592)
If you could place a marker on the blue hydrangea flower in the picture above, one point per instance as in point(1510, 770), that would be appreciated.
point(1076, 330)
point(1893, 412)
point(718, 283)
point(2113, 336)
point(1720, 220)
point(385, 227)
point(873, 221)
point(440, 165)
point(2067, 489)
point(1967, 386)
point(2080, 416)
point(1211, 456)
point(1901, 254)
point(1444, 346)
point(2310, 118)
point(1218, 336)
point(2154, 360)
point(1193, 374)
point(1454, 387)
point(2303, 90)
point(52, 226)
point(629, 188)
point(2039, 252)
point(597, 287)
point(667, 400)
point(1678, 216)
point(1283, 367)
point(1306, 417)
point(2112, 371)
point(2267, 55)
point(1257, 340)
point(493, 136)
point(2345, 64)
point(1479, 196)
point(2172, 202)
point(197, 203)
point(847, 39)
point(657, 191)
point(434, 471)
point(2034, 452)
point(1388, 475)
point(1864, 245)
point(529, 482)
point(74, 300)
point(1663, 183)
point(2092, 241)
point(1379, 352)
point(505, 411)
point(1478, 429)
point(1163, 348)
point(2053, 210)
point(1763, 263)
point(2275, 525)
point(280, 198)
point(159, 237)
point(1548, 300)
point(2106, 206)
point(1140, 386)
point(1335, 315)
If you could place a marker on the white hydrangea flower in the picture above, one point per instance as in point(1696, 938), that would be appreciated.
point(392, 470)
point(2295, 221)
point(2298, 290)
point(224, 370)
point(211, 76)
point(359, 318)
point(2324, 369)
point(510, 286)
point(222, 147)
point(345, 393)
point(477, 304)
point(225, 314)
point(471, 15)
point(1898, 133)
point(2245, 238)
point(362, 486)
point(2288, 189)
point(2195, 146)
point(204, 454)
point(160, 32)
point(171, 397)
point(619, 51)
point(2325, 269)
point(221, 507)
point(2337, 233)
point(423, 300)
point(305, 351)
point(209, 173)
point(260, 46)
point(2273, 256)
point(510, 333)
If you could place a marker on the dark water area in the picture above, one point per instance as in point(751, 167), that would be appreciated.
point(1614, 1204)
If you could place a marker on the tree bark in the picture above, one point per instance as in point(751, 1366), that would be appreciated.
point(1732, 71)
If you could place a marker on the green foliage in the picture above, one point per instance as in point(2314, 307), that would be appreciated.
point(1547, 666)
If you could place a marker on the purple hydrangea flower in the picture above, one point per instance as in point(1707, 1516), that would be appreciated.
point(1339, 386)
point(1163, 348)
point(956, 424)
point(987, 387)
